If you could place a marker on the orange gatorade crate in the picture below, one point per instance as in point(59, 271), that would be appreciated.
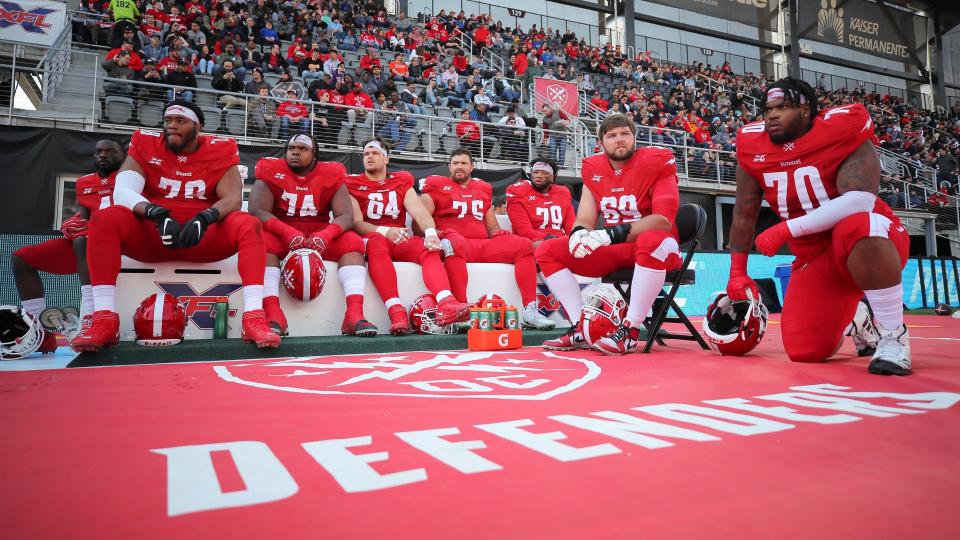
point(494, 329)
point(494, 340)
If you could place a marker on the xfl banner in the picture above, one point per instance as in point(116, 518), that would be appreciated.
point(33, 22)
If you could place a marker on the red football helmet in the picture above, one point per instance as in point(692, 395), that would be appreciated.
point(303, 274)
point(735, 328)
point(423, 317)
point(604, 309)
point(159, 321)
point(491, 301)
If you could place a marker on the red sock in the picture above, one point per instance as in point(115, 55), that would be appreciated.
point(525, 271)
point(434, 275)
point(355, 306)
point(383, 274)
point(457, 272)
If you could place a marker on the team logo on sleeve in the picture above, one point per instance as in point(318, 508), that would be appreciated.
point(531, 375)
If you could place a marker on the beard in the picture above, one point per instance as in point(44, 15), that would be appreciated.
point(541, 188)
point(620, 155)
point(187, 141)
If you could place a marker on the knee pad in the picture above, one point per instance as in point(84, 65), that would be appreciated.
point(458, 243)
point(351, 242)
point(657, 250)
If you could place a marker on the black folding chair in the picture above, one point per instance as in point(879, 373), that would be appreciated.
point(691, 222)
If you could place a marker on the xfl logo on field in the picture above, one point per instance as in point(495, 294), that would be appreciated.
point(519, 375)
point(32, 21)
point(200, 306)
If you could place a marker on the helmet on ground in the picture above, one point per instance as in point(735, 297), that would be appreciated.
point(303, 274)
point(159, 321)
point(21, 334)
point(735, 328)
point(942, 309)
point(423, 317)
point(604, 309)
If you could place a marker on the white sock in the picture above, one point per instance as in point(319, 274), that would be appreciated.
point(86, 300)
point(392, 302)
point(353, 278)
point(887, 305)
point(34, 306)
point(443, 294)
point(104, 298)
point(252, 298)
point(564, 286)
point(644, 289)
point(271, 281)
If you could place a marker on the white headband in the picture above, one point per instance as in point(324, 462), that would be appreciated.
point(301, 138)
point(179, 110)
point(542, 166)
point(376, 146)
point(775, 93)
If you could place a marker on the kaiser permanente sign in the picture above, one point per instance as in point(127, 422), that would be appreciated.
point(858, 25)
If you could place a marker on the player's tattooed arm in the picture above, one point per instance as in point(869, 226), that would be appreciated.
point(260, 203)
point(230, 191)
point(342, 208)
point(428, 205)
point(745, 212)
point(860, 171)
point(422, 218)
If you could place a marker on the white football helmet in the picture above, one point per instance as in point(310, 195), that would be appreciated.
point(21, 334)
point(604, 309)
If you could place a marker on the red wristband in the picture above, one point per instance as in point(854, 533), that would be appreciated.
point(278, 228)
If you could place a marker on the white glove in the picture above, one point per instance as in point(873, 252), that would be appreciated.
point(583, 242)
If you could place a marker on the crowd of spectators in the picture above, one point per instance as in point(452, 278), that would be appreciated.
point(304, 41)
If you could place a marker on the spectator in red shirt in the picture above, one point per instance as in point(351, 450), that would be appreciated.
point(294, 115)
point(520, 64)
point(372, 58)
point(460, 63)
point(468, 132)
point(136, 62)
point(599, 102)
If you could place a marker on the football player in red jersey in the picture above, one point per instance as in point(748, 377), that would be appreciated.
point(635, 190)
point(381, 201)
point(170, 178)
point(68, 255)
point(819, 171)
point(462, 209)
point(294, 197)
point(540, 209)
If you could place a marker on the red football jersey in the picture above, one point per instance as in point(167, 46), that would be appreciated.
point(460, 207)
point(535, 215)
point(182, 183)
point(301, 198)
point(382, 202)
point(95, 192)
point(646, 185)
point(799, 176)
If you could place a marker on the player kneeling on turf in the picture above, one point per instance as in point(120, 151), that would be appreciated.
point(820, 173)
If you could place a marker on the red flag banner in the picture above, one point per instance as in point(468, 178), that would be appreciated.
point(561, 94)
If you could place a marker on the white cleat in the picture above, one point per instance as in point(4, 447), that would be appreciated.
point(893, 352)
point(532, 318)
point(863, 331)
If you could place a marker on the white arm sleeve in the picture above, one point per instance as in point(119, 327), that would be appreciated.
point(830, 213)
point(128, 188)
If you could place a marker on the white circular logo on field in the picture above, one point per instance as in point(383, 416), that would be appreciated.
point(522, 375)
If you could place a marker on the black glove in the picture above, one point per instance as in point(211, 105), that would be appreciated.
point(193, 230)
point(168, 227)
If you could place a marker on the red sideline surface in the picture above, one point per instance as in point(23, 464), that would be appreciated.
point(352, 446)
